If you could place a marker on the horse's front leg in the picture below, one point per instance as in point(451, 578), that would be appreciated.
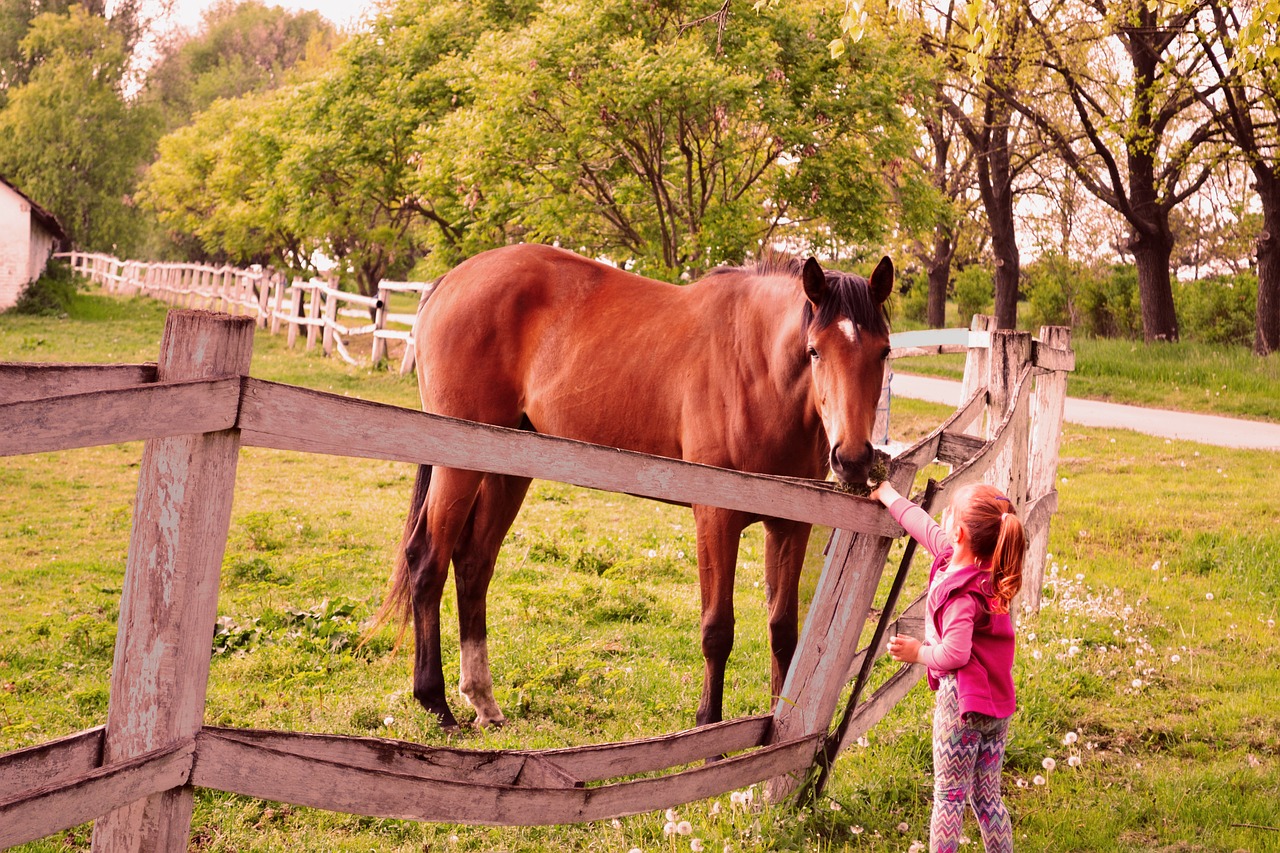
point(428, 553)
point(784, 551)
point(718, 535)
point(474, 559)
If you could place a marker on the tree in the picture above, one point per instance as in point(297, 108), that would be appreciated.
point(621, 129)
point(72, 141)
point(242, 46)
point(1132, 73)
point(1249, 113)
point(128, 19)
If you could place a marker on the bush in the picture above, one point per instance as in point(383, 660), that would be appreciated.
point(974, 289)
point(1218, 310)
point(1108, 304)
point(50, 295)
point(1052, 285)
point(913, 297)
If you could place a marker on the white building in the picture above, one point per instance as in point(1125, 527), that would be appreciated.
point(29, 234)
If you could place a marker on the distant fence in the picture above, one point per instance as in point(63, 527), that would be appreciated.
point(197, 407)
point(314, 308)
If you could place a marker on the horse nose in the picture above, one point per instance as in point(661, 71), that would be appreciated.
point(851, 468)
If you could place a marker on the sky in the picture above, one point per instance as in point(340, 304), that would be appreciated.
point(343, 13)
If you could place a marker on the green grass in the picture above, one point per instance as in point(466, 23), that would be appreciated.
point(593, 623)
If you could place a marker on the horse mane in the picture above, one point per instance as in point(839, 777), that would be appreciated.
point(848, 294)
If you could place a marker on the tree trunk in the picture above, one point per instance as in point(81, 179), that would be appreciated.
point(1151, 254)
point(1266, 338)
point(939, 278)
point(995, 184)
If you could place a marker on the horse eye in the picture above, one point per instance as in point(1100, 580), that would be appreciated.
point(813, 353)
point(884, 356)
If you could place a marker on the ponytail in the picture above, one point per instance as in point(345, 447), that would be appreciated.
point(997, 535)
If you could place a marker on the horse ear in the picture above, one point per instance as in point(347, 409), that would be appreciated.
point(815, 281)
point(881, 281)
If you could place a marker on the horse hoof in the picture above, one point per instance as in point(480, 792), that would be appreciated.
point(491, 722)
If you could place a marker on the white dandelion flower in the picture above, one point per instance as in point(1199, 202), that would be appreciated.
point(684, 828)
point(1039, 780)
point(1049, 764)
point(1070, 738)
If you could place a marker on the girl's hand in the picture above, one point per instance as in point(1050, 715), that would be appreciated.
point(904, 649)
point(885, 493)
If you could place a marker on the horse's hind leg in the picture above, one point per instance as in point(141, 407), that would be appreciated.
point(784, 551)
point(719, 531)
point(427, 554)
point(474, 557)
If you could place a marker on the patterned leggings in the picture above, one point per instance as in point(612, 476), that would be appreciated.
point(967, 757)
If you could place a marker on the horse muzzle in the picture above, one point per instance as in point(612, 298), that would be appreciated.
point(852, 468)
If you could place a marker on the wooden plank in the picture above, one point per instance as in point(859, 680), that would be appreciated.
point(881, 702)
point(610, 761)
point(233, 766)
point(160, 672)
point(976, 373)
point(956, 448)
point(910, 621)
point(66, 803)
point(828, 642)
point(152, 411)
point(1053, 355)
point(408, 759)
point(1046, 434)
point(50, 763)
point(288, 418)
point(33, 381)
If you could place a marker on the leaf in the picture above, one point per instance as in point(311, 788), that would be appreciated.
point(837, 48)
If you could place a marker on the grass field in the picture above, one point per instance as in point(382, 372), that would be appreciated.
point(1150, 662)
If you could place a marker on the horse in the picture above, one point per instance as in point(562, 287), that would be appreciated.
point(775, 369)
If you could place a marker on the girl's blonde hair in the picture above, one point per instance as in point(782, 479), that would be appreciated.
point(995, 534)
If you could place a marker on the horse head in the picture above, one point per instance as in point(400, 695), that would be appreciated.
point(846, 333)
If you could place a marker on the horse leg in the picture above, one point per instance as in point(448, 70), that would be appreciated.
point(718, 534)
point(427, 554)
point(784, 552)
point(474, 557)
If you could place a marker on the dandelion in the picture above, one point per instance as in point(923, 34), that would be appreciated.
point(1208, 596)
point(864, 742)
point(1175, 658)
point(387, 721)
point(696, 845)
point(615, 823)
point(835, 807)
point(1070, 738)
point(856, 830)
point(916, 847)
point(669, 828)
point(1073, 761)
point(715, 807)
point(1021, 783)
point(652, 553)
point(1155, 567)
point(1049, 764)
point(671, 815)
point(1136, 683)
point(903, 827)
point(1073, 651)
point(684, 828)
point(635, 850)
point(1039, 780)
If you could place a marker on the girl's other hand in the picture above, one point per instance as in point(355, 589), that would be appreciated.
point(885, 493)
point(904, 649)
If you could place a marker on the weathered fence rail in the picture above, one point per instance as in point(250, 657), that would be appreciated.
point(314, 307)
point(197, 407)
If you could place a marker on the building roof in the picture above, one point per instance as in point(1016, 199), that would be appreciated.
point(39, 214)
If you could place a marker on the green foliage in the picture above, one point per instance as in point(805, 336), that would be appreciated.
point(913, 297)
point(973, 288)
point(72, 141)
point(1052, 285)
point(51, 294)
point(242, 47)
point(1218, 310)
point(1109, 304)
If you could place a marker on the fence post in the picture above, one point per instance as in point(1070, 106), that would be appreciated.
point(278, 283)
point(170, 598)
point(330, 313)
point(828, 643)
point(976, 370)
point(1009, 355)
point(1046, 436)
point(295, 311)
point(264, 293)
point(313, 313)
point(379, 323)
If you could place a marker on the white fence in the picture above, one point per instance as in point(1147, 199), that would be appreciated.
point(315, 307)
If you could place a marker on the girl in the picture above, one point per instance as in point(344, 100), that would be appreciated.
point(968, 649)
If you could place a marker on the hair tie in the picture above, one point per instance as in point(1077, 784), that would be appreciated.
point(1003, 516)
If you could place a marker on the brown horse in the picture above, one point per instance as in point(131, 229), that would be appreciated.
point(776, 370)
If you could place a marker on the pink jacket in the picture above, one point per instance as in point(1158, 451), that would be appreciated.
point(963, 636)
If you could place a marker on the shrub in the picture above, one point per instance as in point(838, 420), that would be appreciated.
point(913, 297)
point(50, 295)
point(1218, 310)
point(974, 289)
point(1052, 285)
point(1108, 304)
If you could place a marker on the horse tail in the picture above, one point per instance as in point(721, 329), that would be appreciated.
point(397, 605)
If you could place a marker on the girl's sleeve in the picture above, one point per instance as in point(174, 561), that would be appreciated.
point(955, 646)
point(919, 525)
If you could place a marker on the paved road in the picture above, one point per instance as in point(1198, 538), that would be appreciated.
point(1206, 429)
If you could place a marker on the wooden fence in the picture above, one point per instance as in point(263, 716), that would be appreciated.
point(197, 407)
point(314, 308)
